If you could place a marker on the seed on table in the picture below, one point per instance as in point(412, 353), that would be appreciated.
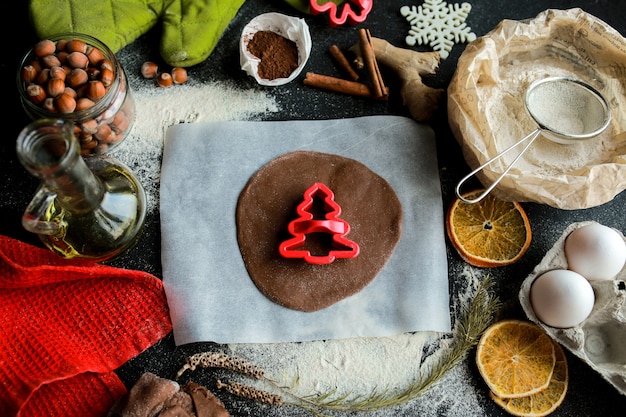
point(149, 69)
point(179, 75)
point(164, 79)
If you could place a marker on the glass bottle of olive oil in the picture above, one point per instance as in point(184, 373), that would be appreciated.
point(92, 207)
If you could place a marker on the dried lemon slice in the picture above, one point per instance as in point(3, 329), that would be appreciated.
point(488, 233)
point(515, 358)
point(544, 402)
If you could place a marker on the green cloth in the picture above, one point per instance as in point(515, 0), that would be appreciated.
point(190, 31)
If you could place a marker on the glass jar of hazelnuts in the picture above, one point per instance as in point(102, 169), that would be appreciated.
point(75, 77)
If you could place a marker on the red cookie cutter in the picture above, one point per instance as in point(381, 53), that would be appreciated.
point(331, 224)
point(346, 15)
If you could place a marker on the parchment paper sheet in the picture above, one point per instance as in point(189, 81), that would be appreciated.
point(210, 294)
point(487, 114)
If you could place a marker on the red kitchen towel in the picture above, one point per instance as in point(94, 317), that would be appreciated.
point(65, 325)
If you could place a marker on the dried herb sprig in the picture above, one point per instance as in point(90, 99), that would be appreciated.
point(224, 361)
point(253, 393)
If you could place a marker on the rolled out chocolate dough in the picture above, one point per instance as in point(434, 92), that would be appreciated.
point(268, 203)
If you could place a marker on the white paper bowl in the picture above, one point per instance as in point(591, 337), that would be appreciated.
point(292, 28)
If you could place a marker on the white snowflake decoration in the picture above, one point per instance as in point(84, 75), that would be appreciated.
point(438, 24)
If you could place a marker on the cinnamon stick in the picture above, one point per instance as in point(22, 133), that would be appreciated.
point(379, 89)
point(338, 85)
point(342, 61)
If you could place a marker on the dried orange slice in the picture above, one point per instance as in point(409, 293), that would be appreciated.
point(489, 233)
point(544, 402)
point(515, 358)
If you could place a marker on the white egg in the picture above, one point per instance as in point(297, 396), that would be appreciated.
point(595, 251)
point(561, 298)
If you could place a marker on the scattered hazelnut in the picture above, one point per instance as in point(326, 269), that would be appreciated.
point(149, 69)
point(179, 75)
point(164, 79)
point(44, 48)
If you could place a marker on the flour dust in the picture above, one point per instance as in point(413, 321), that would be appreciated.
point(364, 366)
point(156, 109)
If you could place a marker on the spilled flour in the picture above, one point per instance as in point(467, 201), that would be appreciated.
point(366, 366)
point(156, 109)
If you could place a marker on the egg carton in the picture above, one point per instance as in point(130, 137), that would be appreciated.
point(599, 339)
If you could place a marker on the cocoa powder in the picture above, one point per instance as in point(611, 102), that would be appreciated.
point(278, 55)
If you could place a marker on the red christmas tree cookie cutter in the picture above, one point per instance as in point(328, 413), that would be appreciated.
point(331, 224)
point(337, 18)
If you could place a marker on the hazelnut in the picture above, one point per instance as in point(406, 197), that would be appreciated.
point(28, 74)
point(48, 104)
point(77, 77)
point(57, 72)
point(179, 75)
point(106, 76)
point(35, 93)
point(55, 87)
point(65, 103)
point(95, 90)
point(149, 69)
point(43, 76)
point(106, 64)
point(70, 91)
point(164, 79)
point(84, 103)
point(95, 55)
point(77, 60)
point(50, 61)
point(76, 45)
point(44, 48)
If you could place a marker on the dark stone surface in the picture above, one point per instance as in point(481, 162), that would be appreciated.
point(588, 394)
